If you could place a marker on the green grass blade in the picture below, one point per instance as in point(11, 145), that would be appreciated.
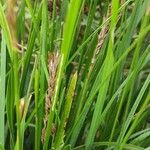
point(2, 90)
point(58, 143)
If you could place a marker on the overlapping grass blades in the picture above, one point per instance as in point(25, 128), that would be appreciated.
point(79, 69)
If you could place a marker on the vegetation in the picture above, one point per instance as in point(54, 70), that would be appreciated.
point(75, 74)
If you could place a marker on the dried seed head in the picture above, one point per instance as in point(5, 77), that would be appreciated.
point(21, 107)
point(53, 131)
point(11, 18)
point(53, 61)
point(50, 6)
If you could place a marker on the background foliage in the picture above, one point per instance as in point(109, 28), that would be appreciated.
point(75, 74)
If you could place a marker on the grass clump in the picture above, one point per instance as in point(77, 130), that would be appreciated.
point(74, 74)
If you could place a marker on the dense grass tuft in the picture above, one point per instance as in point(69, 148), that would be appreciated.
point(75, 74)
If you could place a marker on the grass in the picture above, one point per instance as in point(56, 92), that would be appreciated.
point(75, 74)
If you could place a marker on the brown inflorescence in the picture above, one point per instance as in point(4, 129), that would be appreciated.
point(53, 61)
